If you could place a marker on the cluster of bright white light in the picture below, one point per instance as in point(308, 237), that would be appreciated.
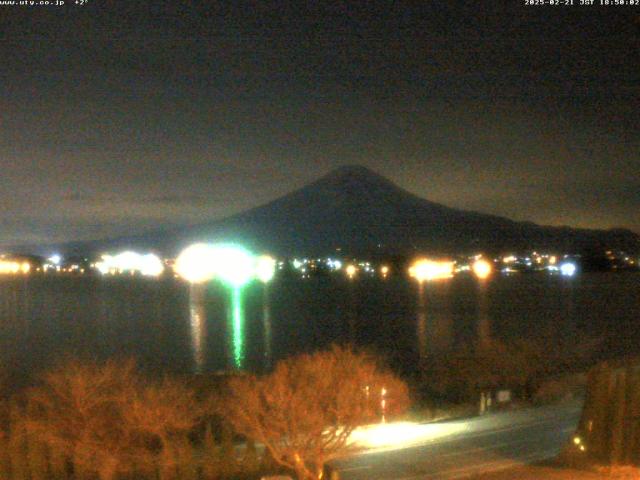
point(232, 264)
point(306, 264)
point(196, 263)
point(366, 267)
point(427, 270)
point(351, 268)
point(568, 269)
point(131, 262)
point(265, 268)
point(52, 263)
point(334, 264)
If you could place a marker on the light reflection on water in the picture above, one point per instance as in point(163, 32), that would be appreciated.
point(168, 326)
point(421, 323)
point(238, 327)
point(483, 334)
point(266, 327)
point(198, 323)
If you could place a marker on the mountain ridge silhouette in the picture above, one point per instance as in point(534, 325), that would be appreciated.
point(354, 210)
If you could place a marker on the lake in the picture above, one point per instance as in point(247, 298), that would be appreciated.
point(171, 326)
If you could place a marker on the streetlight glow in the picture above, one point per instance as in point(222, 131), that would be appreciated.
point(196, 263)
point(265, 268)
point(384, 270)
point(131, 262)
point(351, 271)
point(151, 265)
point(427, 270)
point(482, 269)
point(233, 265)
point(568, 269)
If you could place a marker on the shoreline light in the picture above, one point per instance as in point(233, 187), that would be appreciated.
point(351, 271)
point(568, 269)
point(384, 271)
point(265, 268)
point(13, 267)
point(148, 265)
point(482, 269)
point(196, 263)
point(233, 265)
point(428, 270)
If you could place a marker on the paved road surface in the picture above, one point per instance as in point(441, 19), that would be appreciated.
point(463, 448)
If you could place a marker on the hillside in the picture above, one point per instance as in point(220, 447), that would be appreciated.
point(358, 211)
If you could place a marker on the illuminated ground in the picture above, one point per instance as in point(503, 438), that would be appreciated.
point(460, 449)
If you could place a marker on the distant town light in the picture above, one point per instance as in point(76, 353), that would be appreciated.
point(196, 263)
point(233, 264)
point(265, 268)
point(482, 269)
point(9, 267)
point(351, 271)
point(102, 266)
point(151, 265)
point(129, 262)
point(334, 264)
point(428, 270)
point(55, 259)
point(568, 269)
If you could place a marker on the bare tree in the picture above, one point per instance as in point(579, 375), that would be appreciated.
point(159, 419)
point(305, 411)
point(76, 413)
point(105, 420)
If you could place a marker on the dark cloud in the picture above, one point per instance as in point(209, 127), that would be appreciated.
point(147, 115)
point(165, 199)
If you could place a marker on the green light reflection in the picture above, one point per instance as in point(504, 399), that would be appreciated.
point(237, 318)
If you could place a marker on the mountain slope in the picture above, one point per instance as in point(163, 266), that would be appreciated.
point(359, 211)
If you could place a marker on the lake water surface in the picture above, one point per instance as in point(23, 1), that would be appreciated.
point(169, 326)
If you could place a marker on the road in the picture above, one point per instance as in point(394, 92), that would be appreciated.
point(459, 449)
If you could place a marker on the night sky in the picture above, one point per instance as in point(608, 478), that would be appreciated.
point(119, 117)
